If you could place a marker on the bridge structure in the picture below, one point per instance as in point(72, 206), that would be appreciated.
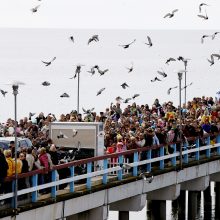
point(123, 187)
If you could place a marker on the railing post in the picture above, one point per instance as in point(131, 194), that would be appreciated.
point(197, 152)
point(161, 154)
point(72, 175)
point(53, 188)
point(135, 168)
point(120, 162)
point(88, 180)
point(186, 156)
point(149, 157)
point(218, 141)
point(105, 167)
point(208, 151)
point(173, 160)
point(13, 198)
point(34, 184)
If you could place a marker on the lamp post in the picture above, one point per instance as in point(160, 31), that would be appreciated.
point(180, 74)
point(78, 92)
point(185, 65)
point(15, 92)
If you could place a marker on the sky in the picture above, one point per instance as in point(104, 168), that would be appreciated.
point(113, 14)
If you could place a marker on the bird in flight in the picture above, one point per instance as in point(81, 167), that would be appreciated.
point(170, 15)
point(169, 90)
point(61, 135)
point(200, 6)
point(149, 43)
point(118, 99)
point(71, 38)
point(3, 92)
point(187, 86)
point(211, 61)
point(75, 132)
point(100, 91)
point(45, 83)
point(125, 46)
point(49, 63)
point(205, 17)
point(203, 37)
point(31, 114)
point(35, 9)
point(130, 69)
point(77, 71)
point(124, 85)
point(93, 38)
point(213, 36)
point(127, 100)
point(92, 70)
point(101, 72)
point(162, 73)
point(64, 95)
point(155, 79)
point(89, 111)
point(216, 55)
point(169, 60)
point(135, 96)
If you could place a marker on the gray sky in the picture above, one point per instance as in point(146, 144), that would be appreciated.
point(114, 14)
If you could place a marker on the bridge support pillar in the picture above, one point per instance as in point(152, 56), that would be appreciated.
point(192, 204)
point(100, 213)
point(158, 210)
point(207, 203)
point(179, 206)
point(199, 184)
point(217, 200)
point(123, 215)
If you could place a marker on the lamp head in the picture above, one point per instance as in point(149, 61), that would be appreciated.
point(180, 74)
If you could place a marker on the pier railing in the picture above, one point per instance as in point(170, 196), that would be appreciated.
point(141, 161)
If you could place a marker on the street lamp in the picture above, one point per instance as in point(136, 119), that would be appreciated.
point(185, 65)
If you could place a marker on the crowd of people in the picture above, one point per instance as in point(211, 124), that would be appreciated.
point(133, 127)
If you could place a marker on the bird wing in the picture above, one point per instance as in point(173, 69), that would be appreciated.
point(149, 40)
point(167, 15)
point(132, 42)
point(168, 91)
point(175, 10)
point(172, 59)
point(53, 59)
point(92, 109)
point(90, 40)
point(201, 16)
point(161, 73)
point(47, 63)
point(216, 55)
point(84, 110)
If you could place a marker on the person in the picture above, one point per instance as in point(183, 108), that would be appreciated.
point(23, 182)
point(30, 159)
point(3, 171)
point(12, 148)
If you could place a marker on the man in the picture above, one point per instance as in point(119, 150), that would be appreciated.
point(3, 171)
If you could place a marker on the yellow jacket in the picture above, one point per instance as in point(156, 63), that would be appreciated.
point(11, 166)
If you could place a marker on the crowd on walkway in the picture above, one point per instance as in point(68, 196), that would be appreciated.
point(124, 129)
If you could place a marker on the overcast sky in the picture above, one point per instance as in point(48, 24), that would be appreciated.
point(111, 14)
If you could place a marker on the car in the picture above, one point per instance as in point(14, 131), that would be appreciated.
point(22, 142)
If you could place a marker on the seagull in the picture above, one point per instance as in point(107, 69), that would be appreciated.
point(89, 111)
point(127, 100)
point(130, 69)
point(200, 6)
point(100, 91)
point(213, 36)
point(205, 17)
point(75, 132)
point(211, 61)
point(155, 79)
point(125, 46)
point(61, 135)
point(169, 90)
point(162, 73)
point(135, 96)
point(124, 85)
point(92, 71)
point(203, 37)
point(48, 63)
point(101, 72)
point(187, 86)
point(35, 9)
point(45, 83)
point(77, 71)
point(118, 99)
point(64, 95)
point(147, 178)
point(3, 92)
point(169, 60)
point(93, 38)
point(170, 15)
point(71, 38)
point(125, 166)
point(31, 114)
point(216, 55)
point(149, 42)
point(180, 58)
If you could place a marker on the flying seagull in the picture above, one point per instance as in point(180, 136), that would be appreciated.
point(35, 9)
point(170, 15)
point(200, 6)
point(64, 95)
point(45, 83)
point(169, 90)
point(71, 38)
point(146, 177)
point(93, 38)
point(211, 61)
point(155, 79)
point(92, 71)
point(203, 37)
point(31, 114)
point(187, 86)
point(49, 63)
point(75, 132)
point(213, 36)
point(127, 100)
point(135, 96)
point(149, 43)
point(77, 71)
point(61, 135)
point(169, 60)
point(162, 73)
point(101, 72)
point(100, 91)
point(118, 99)
point(89, 111)
point(216, 55)
point(205, 17)
point(125, 46)
point(124, 85)
point(3, 92)
point(130, 69)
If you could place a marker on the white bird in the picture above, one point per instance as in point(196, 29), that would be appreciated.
point(155, 79)
point(35, 9)
point(49, 63)
point(216, 55)
point(89, 111)
point(200, 6)
point(45, 83)
point(100, 91)
point(118, 99)
point(211, 61)
point(3, 92)
point(213, 36)
point(71, 38)
point(146, 177)
point(187, 86)
point(127, 100)
point(169, 90)
point(102, 72)
point(61, 135)
point(75, 132)
point(149, 43)
point(205, 17)
point(170, 15)
point(130, 69)
point(203, 37)
point(125, 46)
point(124, 85)
point(135, 96)
point(93, 38)
point(162, 73)
point(64, 95)
point(125, 166)
point(169, 60)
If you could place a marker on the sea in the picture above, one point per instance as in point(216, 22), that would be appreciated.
point(22, 51)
